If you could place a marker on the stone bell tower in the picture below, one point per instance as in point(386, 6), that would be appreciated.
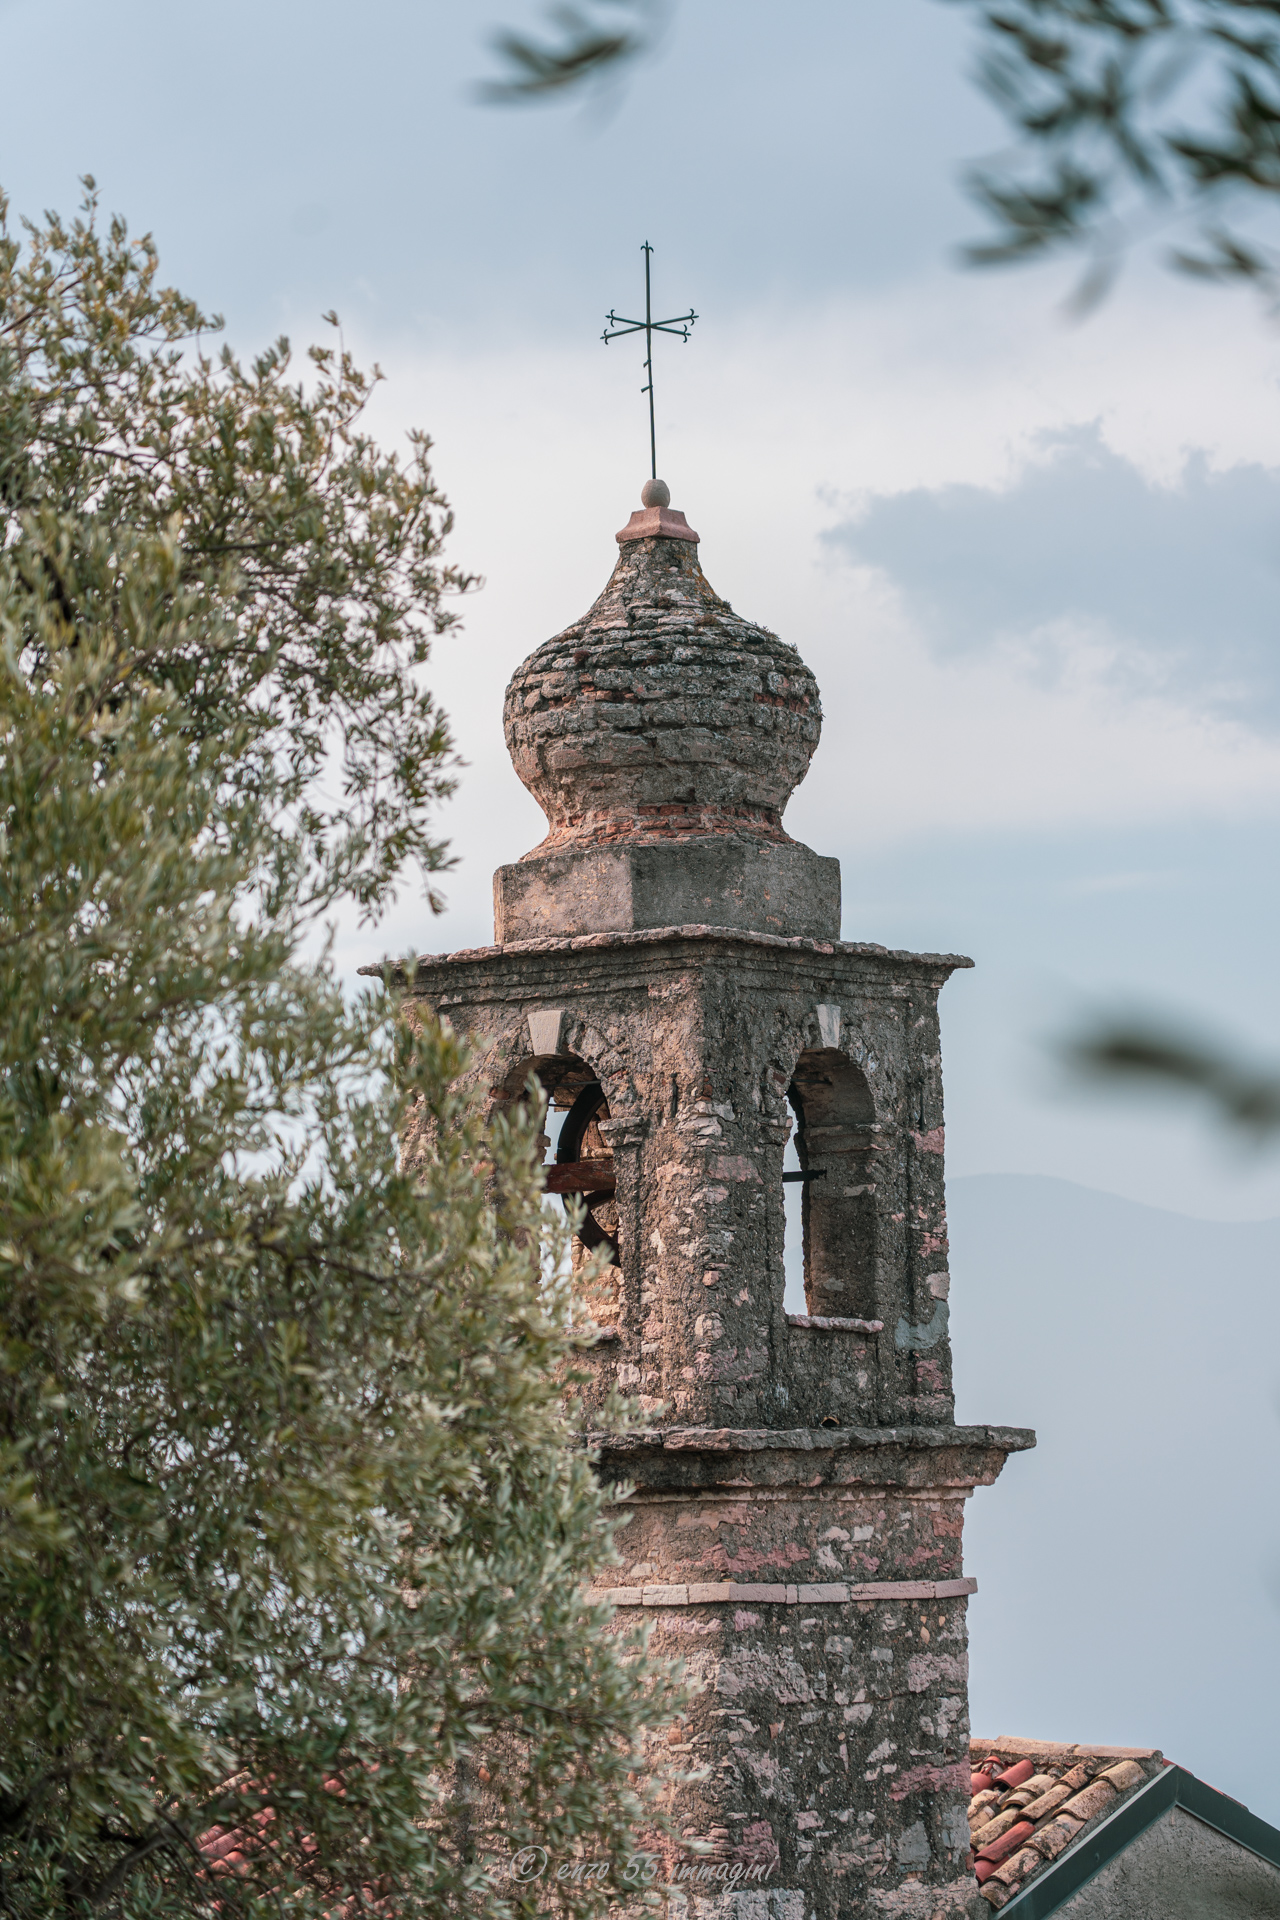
point(668, 962)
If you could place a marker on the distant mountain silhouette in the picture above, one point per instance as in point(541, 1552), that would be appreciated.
point(1129, 1568)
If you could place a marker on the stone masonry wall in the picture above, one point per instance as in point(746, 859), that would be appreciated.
point(695, 1041)
point(812, 1582)
point(833, 1734)
point(795, 1529)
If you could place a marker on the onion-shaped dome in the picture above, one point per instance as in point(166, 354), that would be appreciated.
point(661, 712)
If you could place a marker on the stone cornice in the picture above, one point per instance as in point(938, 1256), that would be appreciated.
point(810, 1439)
point(393, 971)
point(727, 1457)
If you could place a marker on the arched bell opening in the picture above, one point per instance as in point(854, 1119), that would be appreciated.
point(579, 1159)
point(834, 1138)
point(584, 1166)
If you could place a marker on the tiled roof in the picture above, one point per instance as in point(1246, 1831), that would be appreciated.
point(247, 1848)
point(1033, 1798)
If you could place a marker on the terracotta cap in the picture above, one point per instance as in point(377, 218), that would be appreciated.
point(657, 518)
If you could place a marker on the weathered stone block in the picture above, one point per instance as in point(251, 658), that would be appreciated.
point(771, 886)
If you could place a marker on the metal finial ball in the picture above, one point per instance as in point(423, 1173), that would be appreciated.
point(655, 493)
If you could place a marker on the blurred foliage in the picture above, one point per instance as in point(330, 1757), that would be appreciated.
point(293, 1523)
point(1128, 116)
point(1132, 116)
point(1238, 1092)
point(322, 550)
point(593, 42)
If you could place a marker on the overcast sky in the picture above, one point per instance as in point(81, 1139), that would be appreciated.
point(1035, 565)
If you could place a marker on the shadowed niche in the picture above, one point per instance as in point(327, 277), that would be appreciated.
point(582, 1167)
point(836, 1142)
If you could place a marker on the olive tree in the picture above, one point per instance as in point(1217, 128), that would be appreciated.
point(324, 551)
point(294, 1533)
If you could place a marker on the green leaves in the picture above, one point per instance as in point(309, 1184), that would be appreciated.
point(321, 550)
point(594, 42)
point(1158, 1059)
point(293, 1530)
point(287, 1495)
point(1132, 116)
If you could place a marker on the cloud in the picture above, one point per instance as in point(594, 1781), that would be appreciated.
point(1085, 561)
point(781, 433)
point(920, 742)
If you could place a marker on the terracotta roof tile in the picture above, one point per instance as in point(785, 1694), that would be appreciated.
point(1015, 1775)
point(992, 1830)
point(1008, 1842)
point(1019, 1868)
point(1093, 1801)
point(985, 1796)
point(1057, 1836)
point(1049, 1801)
point(1125, 1774)
point(1038, 1783)
point(1032, 1798)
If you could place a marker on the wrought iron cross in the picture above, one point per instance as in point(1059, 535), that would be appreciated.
point(648, 327)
